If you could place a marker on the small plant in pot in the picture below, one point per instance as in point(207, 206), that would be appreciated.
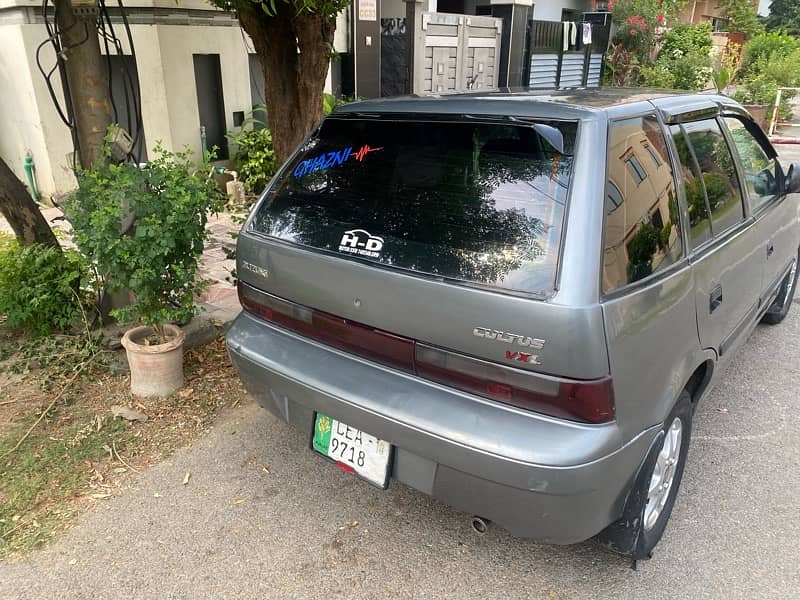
point(144, 229)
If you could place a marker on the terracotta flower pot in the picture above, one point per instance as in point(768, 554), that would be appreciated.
point(156, 369)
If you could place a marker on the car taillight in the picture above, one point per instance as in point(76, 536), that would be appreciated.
point(590, 401)
point(362, 340)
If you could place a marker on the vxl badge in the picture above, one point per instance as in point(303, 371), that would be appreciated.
point(361, 243)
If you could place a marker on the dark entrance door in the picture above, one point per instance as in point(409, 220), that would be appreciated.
point(124, 80)
point(208, 83)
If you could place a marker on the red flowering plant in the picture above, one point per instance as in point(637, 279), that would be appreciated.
point(638, 23)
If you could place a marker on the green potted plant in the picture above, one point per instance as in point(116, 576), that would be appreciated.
point(144, 230)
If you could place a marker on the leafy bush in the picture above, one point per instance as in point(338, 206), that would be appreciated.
point(331, 102)
point(158, 258)
point(771, 60)
point(40, 287)
point(637, 22)
point(684, 61)
point(658, 76)
point(254, 158)
point(686, 38)
point(762, 48)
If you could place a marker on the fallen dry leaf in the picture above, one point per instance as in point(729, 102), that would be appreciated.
point(128, 413)
point(240, 500)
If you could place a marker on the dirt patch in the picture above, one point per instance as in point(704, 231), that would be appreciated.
point(79, 454)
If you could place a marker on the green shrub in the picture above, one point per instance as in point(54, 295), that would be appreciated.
point(767, 72)
point(254, 158)
point(684, 60)
point(40, 287)
point(331, 102)
point(765, 47)
point(657, 76)
point(686, 38)
point(158, 258)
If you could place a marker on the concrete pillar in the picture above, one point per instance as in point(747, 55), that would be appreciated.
point(366, 28)
point(416, 43)
point(516, 15)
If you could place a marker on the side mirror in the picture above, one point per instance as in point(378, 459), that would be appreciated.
point(791, 184)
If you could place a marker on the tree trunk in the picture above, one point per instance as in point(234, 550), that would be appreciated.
point(295, 52)
point(21, 211)
point(87, 81)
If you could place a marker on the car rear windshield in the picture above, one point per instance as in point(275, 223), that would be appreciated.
point(471, 201)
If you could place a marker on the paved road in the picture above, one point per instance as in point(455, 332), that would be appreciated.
point(734, 533)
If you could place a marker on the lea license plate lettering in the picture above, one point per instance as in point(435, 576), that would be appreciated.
point(357, 451)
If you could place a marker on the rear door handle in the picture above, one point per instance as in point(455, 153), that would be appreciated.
point(715, 298)
point(770, 249)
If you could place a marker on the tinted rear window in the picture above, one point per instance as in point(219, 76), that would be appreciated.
point(470, 201)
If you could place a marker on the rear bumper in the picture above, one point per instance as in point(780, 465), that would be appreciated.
point(539, 477)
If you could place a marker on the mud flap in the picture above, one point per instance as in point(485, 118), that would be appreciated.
point(622, 536)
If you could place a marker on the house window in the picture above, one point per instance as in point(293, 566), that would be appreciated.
point(613, 197)
point(653, 154)
point(719, 24)
point(636, 169)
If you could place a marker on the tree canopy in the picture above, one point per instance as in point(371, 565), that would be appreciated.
point(784, 15)
point(742, 16)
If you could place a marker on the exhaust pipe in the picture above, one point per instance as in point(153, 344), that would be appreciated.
point(479, 524)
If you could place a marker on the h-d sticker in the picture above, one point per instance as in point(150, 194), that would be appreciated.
point(361, 243)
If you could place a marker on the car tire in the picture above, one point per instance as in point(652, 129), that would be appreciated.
point(647, 510)
point(783, 302)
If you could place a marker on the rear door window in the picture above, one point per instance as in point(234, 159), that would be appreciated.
point(719, 174)
point(471, 201)
point(642, 228)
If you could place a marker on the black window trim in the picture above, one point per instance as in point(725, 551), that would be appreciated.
point(683, 262)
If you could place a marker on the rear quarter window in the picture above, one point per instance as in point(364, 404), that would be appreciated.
point(642, 227)
point(476, 202)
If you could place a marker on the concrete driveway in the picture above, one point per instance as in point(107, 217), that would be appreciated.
point(307, 530)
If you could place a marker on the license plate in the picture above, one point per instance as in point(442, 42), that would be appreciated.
point(352, 449)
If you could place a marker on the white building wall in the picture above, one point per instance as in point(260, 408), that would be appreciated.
point(550, 10)
point(19, 116)
point(177, 44)
point(29, 121)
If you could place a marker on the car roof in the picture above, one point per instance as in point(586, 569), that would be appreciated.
point(578, 103)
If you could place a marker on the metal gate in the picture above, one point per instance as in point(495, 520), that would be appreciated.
point(455, 53)
point(551, 66)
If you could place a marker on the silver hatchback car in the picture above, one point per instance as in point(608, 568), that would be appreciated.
point(513, 302)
